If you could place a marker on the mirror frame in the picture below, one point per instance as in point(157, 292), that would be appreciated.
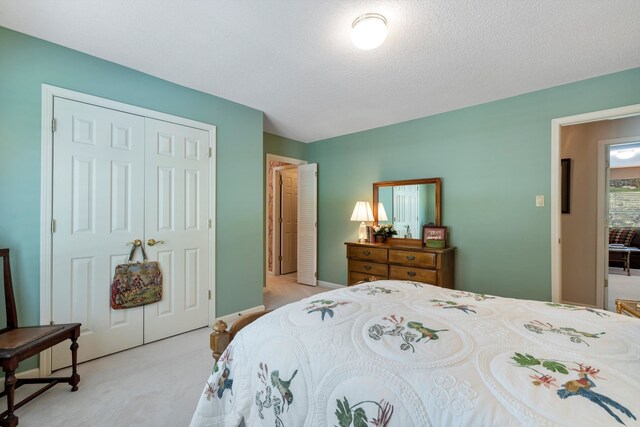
point(436, 181)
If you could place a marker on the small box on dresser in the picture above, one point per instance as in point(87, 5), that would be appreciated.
point(400, 259)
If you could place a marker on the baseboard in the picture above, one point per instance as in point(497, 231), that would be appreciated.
point(31, 373)
point(579, 304)
point(229, 319)
point(329, 285)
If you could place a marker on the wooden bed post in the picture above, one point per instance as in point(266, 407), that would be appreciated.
point(219, 339)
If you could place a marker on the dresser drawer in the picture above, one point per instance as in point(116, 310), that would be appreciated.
point(370, 268)
point(368, 254)
point(360, 277)
point(417, 274)
point(411, 259)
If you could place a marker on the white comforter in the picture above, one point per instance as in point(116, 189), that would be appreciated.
point(395, 353)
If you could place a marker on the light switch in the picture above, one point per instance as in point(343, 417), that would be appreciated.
point(539, 201)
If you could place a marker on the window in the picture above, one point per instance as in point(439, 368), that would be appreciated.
point(624, 202)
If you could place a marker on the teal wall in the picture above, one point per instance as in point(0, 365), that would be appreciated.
point(274, 144)
point(493, 160)
point(26, 63)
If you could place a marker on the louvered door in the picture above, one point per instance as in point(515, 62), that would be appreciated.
point(308, 224)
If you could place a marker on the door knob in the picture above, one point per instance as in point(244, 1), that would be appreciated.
point(153, 242)
point(136, 243)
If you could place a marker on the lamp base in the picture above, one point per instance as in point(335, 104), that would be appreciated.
point(362, 233)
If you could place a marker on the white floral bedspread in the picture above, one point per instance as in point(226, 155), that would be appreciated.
point(396, 353)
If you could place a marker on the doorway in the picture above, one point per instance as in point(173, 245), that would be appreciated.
point(287, 180)
point(296, 229)
point(622, 218)
point(272, 162)
point(586, 249)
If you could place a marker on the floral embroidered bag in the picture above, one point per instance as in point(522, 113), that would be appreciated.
point(136, 284)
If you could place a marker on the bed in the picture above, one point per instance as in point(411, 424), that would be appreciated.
point(400, 353)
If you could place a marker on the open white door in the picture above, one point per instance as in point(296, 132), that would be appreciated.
point(308, 224)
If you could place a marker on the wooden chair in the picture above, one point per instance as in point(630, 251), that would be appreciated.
point(20, 343)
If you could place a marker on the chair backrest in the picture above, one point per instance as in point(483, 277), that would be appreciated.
point(9, 299)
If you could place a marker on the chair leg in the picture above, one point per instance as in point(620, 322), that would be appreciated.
point(75, 378)
point(9, 420)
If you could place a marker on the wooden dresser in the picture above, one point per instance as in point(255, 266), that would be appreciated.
point(400, 261)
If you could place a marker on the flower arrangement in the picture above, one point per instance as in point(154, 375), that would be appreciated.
point(385, 230)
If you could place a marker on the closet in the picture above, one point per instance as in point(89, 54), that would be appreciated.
point(118, 177)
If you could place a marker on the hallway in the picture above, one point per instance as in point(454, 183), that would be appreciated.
point(282, 290)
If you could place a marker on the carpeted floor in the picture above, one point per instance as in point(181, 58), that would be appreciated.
point(281, 290)
point(158, 384)
point(622, 286)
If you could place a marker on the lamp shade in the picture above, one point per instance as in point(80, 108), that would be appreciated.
point(382, 214)
point(362, 212)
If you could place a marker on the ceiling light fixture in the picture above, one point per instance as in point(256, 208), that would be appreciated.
point(369, 31)
point(625, 154)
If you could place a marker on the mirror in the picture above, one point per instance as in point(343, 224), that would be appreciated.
point(407, 204)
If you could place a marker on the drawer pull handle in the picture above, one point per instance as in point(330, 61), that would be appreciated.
point(411, 273)
point(366, 253)
point(367, 267)
point(410, 257)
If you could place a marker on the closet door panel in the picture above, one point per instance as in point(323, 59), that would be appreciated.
point(177, 212)
point(98, 207)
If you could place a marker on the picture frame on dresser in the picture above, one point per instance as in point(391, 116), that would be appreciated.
point(434, 236)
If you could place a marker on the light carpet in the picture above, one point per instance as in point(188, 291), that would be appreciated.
point(284, 289)
point(158, 384)
point(622, 286)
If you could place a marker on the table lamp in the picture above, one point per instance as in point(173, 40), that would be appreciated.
point(362, 212)
point(382, 214)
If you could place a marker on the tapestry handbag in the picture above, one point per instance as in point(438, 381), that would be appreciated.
point(136, 284)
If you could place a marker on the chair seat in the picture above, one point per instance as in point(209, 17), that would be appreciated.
point(19, 343)
point(13, 338)
point(23, 342)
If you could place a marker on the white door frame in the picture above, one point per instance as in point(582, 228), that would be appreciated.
point(46, 187)
point(556, 215)
point(277, 158)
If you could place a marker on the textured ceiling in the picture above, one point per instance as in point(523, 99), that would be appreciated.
point(293, 59)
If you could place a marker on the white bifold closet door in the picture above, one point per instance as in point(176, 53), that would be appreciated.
point(308, 224)
point(118, 177)
point(177, 213)
point(98, 205)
